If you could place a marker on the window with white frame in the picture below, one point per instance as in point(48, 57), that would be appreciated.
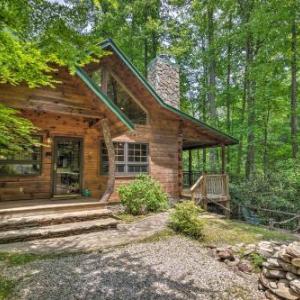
point(131, 158)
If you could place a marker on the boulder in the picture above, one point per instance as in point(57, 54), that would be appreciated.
point(283, 290)
point(265, 249)
point(276, 274)
point(295, 286)
point(282, 254)
point(291, 276)
point(296, 262)
point(288, 267)
point(293, 249)
point(272, 263)
point(267, 282)
point(245, 266)
point(225, 253)
point(271, 296)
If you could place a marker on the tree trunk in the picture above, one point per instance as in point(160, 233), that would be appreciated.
point(211, 97)
point(294, 90)
point(251, 116)
point(266, 131)
point(241, 123)
point(111, 160)
point(228, 85)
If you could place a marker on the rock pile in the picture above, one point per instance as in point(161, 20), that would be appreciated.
point(280, 276)
point(239, 256)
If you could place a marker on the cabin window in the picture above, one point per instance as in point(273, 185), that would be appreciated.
point(131, 158)
point(124, 101)
point(116, 92)
point(27, 163)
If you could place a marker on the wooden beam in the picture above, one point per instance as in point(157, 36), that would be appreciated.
point(190, 167)
point(111, 161)
point(223, 159)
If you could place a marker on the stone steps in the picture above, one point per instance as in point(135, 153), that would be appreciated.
point(45, 209)
point(62, 217)
point(58, 230)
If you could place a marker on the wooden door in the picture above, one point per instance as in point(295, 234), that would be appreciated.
point(67, 166)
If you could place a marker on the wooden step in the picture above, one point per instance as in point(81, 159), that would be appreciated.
point(44, 209)
point(59, 230)
point(53, 219)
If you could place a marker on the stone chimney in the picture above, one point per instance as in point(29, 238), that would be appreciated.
point(163, 75)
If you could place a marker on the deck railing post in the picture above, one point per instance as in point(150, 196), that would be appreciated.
point(223, 159)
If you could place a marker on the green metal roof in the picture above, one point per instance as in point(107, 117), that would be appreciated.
point(89, 82)
point(109, 43)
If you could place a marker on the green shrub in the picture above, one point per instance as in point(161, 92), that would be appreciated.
point(185, 219)
point(143, 195)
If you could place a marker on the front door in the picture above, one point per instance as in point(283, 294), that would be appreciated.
point(67, 166)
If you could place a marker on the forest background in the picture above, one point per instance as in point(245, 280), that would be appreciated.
point(239, 62)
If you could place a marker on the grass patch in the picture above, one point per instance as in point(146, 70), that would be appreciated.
point(6, 287)
point(158, 236)
point(220, 231)
point(19, 259)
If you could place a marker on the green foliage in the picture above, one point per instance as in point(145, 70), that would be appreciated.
point(143, 195)
point(277, 191)
point(185, 219)
point(15, 132)
point(257, 261)
point(6, 287)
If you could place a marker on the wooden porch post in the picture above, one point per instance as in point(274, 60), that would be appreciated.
point(190, 168)
point(111, 160)
point(223, 159)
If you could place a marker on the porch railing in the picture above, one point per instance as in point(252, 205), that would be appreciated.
point(190, 177)
point(211, 188)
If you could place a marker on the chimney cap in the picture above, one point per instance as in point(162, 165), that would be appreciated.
point(166, 58)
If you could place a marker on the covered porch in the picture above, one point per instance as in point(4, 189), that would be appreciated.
point(200, 184)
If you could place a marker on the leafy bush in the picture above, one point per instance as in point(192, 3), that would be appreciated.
point(143, 195)
point(185, 219)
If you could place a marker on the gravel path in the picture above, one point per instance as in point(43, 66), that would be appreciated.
point(174, 268)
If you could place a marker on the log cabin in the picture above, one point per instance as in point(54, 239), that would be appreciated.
point(103, 126)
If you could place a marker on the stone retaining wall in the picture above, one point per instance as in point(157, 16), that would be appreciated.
point(280, 276)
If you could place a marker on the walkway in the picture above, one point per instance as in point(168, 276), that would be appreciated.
point(124, 234)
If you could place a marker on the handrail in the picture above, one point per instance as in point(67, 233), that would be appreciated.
point(197, 183)
point(209, 185)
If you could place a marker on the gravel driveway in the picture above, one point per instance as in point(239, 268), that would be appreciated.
point(174, 268)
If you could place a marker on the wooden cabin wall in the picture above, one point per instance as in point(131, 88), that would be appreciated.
point(38, 187)
point(165, 162)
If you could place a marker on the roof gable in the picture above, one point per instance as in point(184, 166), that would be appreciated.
point(92, 86)
point(110, 45)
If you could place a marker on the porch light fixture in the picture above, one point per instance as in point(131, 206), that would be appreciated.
point(48, 138)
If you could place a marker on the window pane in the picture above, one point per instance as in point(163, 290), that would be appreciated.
point(120, 168)
point(19, 169)
point(137, 153)
point(124, 101)
point(137, 168)
point(137, 156)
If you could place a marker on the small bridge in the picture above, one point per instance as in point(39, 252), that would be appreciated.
point(210, 188)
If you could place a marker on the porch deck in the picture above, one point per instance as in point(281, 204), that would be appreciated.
point(212, 188)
